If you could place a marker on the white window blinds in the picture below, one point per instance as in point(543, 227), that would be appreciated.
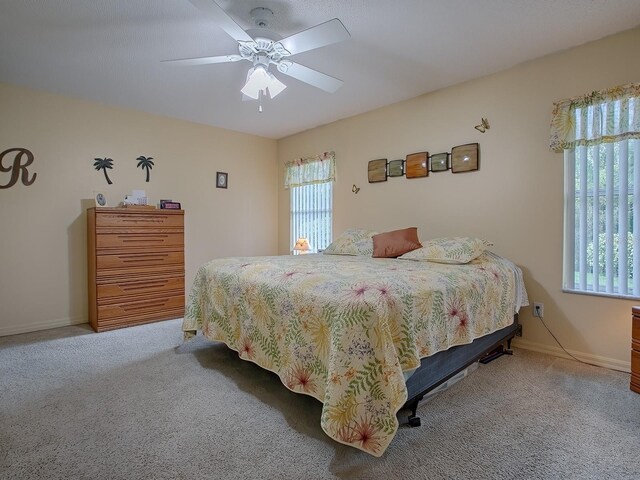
point(311, 184)
point(600, 136)
point(311, 214)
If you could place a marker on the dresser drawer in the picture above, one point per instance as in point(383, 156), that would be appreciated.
point(635, 333)
point(113, 291)
point(132, 260)
point(139, 240)
point(129, 219)
point(133, 320)
point(148, 307)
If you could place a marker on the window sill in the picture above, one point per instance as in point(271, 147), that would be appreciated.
point(598, 294)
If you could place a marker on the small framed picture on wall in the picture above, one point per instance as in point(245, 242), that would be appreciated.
point(417, 165)
point(439, 162)
point(377, 170)
point(395, 168)
point(222, 179)
point(465, 158)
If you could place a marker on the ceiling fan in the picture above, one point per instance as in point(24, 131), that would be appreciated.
point(263, 52)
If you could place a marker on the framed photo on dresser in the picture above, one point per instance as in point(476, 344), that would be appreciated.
point(170, 205)
point(100, 199)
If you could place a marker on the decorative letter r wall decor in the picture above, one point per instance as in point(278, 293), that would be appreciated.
point(18, 166)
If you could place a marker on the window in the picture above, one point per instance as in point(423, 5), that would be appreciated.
point(599, 134)
point(311, 214)
point(311, 183)
point(602, 233)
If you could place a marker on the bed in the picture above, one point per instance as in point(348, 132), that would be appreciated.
point(349, 330)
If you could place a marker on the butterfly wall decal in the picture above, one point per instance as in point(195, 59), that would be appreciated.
point(483, 127)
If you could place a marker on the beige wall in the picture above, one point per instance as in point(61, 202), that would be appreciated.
point(43, 231)
point(515, 199)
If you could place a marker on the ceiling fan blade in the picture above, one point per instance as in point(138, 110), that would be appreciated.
point(213, 11)
point(326, 33)
point(204, 60)
point(310, 76)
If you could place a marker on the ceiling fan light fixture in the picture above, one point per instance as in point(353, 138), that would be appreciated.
point(275, 85)
point(259, 80)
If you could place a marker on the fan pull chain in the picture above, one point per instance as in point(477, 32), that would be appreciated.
point(260, 100)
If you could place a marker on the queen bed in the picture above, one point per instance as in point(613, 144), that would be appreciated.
point(350, 329)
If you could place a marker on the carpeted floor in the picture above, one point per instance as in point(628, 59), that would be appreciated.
point(138, 404)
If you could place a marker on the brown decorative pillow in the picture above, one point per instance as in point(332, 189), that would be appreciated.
point(395, 243)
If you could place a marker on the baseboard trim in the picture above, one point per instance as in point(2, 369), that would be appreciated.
point(44, 325)
point(605, 362)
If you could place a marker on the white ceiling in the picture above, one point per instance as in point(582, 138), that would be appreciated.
point(110, 51)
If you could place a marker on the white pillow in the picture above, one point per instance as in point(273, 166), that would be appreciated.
point(354, 241)
point(454, 250)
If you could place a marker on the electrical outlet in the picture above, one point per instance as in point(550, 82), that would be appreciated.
point(538, 309)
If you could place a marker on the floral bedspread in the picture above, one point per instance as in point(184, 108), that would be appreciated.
point(343, 329)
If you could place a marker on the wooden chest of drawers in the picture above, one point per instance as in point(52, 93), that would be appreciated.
point(635, 350)
point(136, 266)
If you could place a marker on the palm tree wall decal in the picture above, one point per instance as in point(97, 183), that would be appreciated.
point(146, 163)
point(103, 164)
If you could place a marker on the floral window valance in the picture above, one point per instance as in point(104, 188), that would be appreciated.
point(305, 171)
point(599, 117)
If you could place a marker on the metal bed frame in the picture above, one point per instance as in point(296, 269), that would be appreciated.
point(440, 367)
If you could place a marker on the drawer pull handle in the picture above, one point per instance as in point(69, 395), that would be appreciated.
point(145, 235)
point(143, 258)
point(143, 238)
point(141, 285)
point(144, 220)
point(133, 308)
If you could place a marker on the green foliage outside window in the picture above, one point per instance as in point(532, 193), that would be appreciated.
point(602, 246)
